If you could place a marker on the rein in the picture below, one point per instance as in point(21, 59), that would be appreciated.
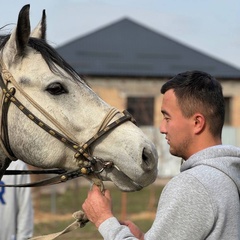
point(89, 166)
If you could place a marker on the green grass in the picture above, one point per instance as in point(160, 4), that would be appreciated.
point(72, 199)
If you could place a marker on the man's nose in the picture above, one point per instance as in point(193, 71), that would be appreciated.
point(162, 127)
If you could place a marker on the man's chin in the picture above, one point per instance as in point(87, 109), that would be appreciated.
point(173, 152)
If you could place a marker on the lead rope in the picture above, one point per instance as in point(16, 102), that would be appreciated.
point(79, 216)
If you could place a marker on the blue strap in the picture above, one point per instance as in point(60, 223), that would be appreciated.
point(2, 191)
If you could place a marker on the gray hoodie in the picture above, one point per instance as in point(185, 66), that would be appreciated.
point(202, 202)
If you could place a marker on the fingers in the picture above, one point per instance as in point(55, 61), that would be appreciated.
point(97, 206)
point(126, 222)
point(96, 190)
point(107, 194)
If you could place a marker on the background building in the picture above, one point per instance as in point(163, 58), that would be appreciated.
point(127, 63)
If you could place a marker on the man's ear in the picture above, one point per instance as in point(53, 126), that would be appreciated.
point(199, 123)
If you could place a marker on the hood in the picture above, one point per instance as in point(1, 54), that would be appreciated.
point(225, 158)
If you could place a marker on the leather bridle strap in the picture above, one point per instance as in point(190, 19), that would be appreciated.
point(4, 124)
point(82, 150)
point(69, 141)
point(75, 173)
point(87, 166)
point(40, 171)
point(62, 177)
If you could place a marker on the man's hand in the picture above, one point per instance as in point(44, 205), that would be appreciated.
point(134, 229)
point(98, 206)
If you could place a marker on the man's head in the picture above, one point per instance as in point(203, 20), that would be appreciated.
point(198, 98)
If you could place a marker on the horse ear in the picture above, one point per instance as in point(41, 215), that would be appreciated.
point(22, 32)
point(18, 40)
point(40, 30)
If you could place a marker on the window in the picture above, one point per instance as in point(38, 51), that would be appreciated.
point(142, 109)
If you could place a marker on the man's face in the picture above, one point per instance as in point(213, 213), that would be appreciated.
point(175, 126)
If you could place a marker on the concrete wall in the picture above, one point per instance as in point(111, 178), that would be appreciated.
point(116, 90)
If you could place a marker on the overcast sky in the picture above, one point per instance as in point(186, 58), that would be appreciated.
point(211, 26)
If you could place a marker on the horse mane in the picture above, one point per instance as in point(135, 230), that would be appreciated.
point(49, 54)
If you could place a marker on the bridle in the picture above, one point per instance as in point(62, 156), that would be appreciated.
point(89, 166)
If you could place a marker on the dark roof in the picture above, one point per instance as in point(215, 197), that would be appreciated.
point(126, 48)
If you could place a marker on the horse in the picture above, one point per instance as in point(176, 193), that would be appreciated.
point(51, 118)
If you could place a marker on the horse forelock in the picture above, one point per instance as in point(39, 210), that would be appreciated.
point(51, 57)
point(3, 40)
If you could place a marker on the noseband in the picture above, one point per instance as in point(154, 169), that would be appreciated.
point(89, 166)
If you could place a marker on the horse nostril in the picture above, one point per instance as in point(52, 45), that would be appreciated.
point(148, 159)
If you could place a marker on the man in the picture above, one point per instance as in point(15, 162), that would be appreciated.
point(16, 210)
point(202, 202)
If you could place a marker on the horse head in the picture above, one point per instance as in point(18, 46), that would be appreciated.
point(51, 118)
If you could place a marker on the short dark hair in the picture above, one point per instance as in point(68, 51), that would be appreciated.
point(197, 91)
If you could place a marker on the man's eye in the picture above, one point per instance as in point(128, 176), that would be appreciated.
point(166, 118)
point(56, 89)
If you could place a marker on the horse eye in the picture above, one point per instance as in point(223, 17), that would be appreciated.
point(56, 89)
